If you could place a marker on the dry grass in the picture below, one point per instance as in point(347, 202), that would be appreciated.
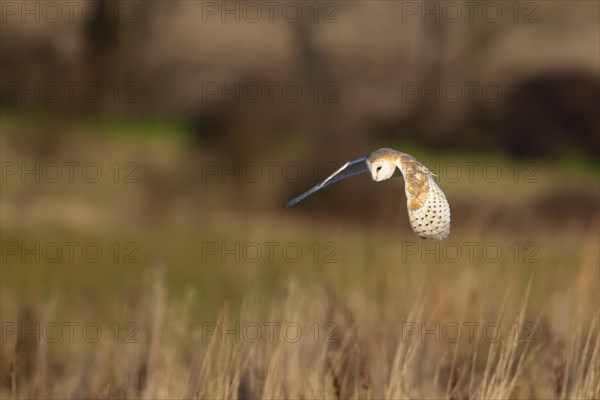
point(367, 351)
point(372, 324)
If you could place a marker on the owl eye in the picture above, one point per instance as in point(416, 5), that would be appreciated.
point(379, 168)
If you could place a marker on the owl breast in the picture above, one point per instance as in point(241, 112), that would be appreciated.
point(431, 219)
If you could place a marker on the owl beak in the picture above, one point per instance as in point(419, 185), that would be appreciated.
point(374, 175)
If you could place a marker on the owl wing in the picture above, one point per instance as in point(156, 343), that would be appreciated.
point(428, 209)
point(349, 169)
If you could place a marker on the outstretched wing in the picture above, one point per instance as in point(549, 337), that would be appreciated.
point(428, 209)
point(351, 168)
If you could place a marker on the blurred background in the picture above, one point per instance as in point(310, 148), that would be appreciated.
point(147, 149)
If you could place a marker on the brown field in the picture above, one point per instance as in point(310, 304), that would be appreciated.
point(366, 311)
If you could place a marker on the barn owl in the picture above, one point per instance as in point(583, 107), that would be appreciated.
point(428, 209)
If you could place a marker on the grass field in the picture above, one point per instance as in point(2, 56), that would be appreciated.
point(211, 290)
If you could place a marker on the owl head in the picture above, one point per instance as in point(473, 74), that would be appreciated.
point(381, 169)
